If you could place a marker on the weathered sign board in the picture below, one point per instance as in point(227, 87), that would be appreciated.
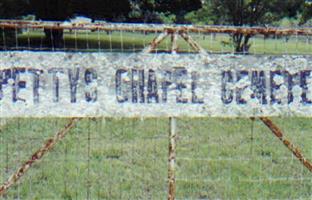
point(58, 84)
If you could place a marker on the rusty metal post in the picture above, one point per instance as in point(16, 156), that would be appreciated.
point(279, 134)
point(172, 158)
point(192, 43)
point(155, 42)
point(174, 42)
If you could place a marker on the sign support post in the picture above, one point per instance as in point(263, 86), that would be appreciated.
point(172, 158)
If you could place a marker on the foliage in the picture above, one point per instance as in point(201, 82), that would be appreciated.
point(246, 13)
point(167, 11)
point(288, 22)
point(202, 16)
point(12, 8)
point(167, 18)
point(307, 13)
point(253, 12)
point(308, 23)
point(102, 9)
point(56, 10)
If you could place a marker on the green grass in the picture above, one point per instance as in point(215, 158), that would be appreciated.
point(127, 159)
point(129, 42)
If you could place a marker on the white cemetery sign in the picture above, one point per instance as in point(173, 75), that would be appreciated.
point(58, 84)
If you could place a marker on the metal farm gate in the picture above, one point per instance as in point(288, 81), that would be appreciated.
point(246, 134)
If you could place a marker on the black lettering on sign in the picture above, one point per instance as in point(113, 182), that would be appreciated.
point(258, 86)
point(304, 85)
point(292, 80)
point(36, 83)
point(18, 84)
point(239, 91)
point(5, 75)
point(73, 76)
point(195, 98)
point(226, 93)
point(167, 81)
point(55, 83)
point(152, 89)
point(90, 78)
point(121, 98)
point(180, 74)
point(275, 86)
point(137, 86)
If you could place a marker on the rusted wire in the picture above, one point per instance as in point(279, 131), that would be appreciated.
point(192, 43)
point(155, 42)
point(48, 145)
point(154, 28)
point(279, 134)
point(174, 43)
point(174, 48)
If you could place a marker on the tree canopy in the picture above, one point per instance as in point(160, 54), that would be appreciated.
point(163, 10)
point(56, 10)
point(121, 10)
point(229, 12)
point(102, 9)
point(246, 13)
point(307, 12)
point(11, 9)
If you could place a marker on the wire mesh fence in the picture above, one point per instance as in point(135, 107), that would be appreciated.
point(240, 158)
point(106, 37)
point(127, 158)
point(99, 159)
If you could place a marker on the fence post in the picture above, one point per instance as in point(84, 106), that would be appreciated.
point(172, 158)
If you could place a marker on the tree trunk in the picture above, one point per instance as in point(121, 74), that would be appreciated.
point(54, 38)
point(241, 43)
point(7, 39)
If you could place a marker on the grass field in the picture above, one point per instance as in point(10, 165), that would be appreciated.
point(128, 42)
point(127, 159)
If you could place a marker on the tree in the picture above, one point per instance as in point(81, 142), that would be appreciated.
point(11, 9)
point(307, 13)
point(55, 10)
point(60, 10)
point(249, 13)
point(162, 10)
point(52, 10)
point(103, 9)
